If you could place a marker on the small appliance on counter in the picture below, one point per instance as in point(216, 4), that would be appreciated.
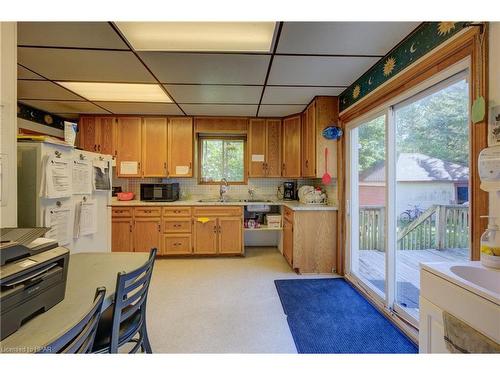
point(287, 191)
point(160, 192)
point(33, 275)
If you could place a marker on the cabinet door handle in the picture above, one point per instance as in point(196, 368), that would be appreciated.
point(215, 229)
point(99, 148)
point(190, 165)
point(307, 163)
point(159, 228)
point(130, 227)
point(165, 165)
point(220, 229)
point(95, 147)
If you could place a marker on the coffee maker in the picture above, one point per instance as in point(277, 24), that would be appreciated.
point(290, 191)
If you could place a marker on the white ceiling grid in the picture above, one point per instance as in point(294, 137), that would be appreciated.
point(308, 59)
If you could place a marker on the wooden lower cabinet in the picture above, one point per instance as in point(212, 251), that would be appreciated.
point(230, 235)
point(122, 234)
point(177, 244)
point(147, 233)
point(173, 231)
point(205, 236)
point(309, 240)
point(288, 241)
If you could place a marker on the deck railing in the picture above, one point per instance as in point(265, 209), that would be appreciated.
point(438, 227)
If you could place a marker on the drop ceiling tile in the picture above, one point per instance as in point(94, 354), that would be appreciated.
point(318, 71)
point(297, 94)
point(84, 65)
point(64, 107)
point(141, 108)
point(215, 94)
point(280, 110)
point(69, 34)
point(207, 68)
point(43, 90)
point(23, 73)
point(344, 38)
point(219, 109)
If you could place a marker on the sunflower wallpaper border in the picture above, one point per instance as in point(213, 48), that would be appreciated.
point(41, 117)
point(422, 40)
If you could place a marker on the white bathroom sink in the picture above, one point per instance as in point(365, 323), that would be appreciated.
point(482, 277)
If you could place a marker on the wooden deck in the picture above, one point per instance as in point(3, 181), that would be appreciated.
point(372, 269)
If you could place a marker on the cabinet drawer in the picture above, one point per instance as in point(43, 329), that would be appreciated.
point(181, 225)
point(176, 211)
point(288, 214)
point(177, 244)
point(147, 211)
point(121, 212)
point(217, 211)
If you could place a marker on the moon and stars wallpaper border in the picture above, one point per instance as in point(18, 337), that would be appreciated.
point(423, 39)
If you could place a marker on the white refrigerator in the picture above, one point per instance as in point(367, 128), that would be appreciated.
point(78, 229)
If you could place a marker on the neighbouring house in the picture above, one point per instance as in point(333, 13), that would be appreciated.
point(421, 180)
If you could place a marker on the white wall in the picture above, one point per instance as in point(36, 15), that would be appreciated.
point(8, 120)
point(494, 93)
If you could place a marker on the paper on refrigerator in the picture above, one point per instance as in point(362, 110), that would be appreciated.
point(60, 222)
point(82, 177)
point(57, 178)
point(86, 218)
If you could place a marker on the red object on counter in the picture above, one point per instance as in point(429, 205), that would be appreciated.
point(125, 196)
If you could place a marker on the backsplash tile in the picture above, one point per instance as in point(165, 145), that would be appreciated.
point(189, 187)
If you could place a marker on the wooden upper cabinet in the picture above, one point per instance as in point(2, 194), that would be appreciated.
point(154, 147)
point(106, 127)
point(88, 134)
point(257, 147)
point(264, 148)
point(327, 113)
point(180, 147)
point(128, 146)
point(97, 134)
point(291, 147)
point(273, 148)
point(309, 142)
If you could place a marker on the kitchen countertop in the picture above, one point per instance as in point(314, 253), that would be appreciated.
point(293, 205)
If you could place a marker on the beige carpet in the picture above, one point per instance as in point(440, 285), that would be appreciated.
point(219, 305)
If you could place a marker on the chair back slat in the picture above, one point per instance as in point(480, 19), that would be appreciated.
point(131, 295)
point(79, 339)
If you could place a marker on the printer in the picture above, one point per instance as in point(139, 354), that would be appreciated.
point(33, 272)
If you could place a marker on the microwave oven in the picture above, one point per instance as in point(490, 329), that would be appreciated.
point(160, 192)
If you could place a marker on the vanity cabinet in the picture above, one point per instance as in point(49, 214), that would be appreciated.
point(264, 144)
point(291, 147)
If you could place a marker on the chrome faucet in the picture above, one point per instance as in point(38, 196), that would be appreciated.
point(223, 188)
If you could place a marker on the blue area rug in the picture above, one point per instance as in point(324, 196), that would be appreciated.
point(330, 316)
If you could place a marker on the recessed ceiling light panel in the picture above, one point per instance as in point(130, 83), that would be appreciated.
point(199, 36)
point(118, 92)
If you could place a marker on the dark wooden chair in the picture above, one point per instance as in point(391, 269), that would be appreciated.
point(126, 318)
point(80, 338)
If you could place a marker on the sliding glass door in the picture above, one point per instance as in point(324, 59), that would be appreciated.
point(368, 202)
point(408, 185)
